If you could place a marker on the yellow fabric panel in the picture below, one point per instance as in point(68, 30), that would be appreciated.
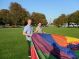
point(72, 39)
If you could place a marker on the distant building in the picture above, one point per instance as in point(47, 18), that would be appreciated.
point(70, 25)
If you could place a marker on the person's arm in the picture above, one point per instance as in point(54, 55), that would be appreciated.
point(25, 31)
point(43, 30)
point(36, 30)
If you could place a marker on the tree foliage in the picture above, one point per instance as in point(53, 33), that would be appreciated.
point(38, 17)
point(71, 18)
point(17, 15)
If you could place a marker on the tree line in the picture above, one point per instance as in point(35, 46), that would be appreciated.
point(72, 18)
point(16, 15)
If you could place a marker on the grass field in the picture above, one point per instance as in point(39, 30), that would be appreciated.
point(13, 44)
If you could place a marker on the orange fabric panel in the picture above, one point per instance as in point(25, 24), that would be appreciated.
point(61, 40)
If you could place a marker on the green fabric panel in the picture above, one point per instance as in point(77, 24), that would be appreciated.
point(45, 56)
point(49, 56)
point(77, 53)
point(40, 54)
point(32, 44)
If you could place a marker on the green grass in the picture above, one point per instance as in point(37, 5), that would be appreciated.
point(13, 44)
point(73, 32)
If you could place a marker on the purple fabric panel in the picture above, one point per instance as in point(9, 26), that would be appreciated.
point(44, 46)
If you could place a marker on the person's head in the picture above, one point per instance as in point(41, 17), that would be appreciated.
point(29, 21)
point(40, 24)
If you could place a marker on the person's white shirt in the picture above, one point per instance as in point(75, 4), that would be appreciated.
point(29, 30)
point(39, 29)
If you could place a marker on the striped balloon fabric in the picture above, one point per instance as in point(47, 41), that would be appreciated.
point(53, 46)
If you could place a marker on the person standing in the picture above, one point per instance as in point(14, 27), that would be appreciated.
point(28, 31)
point(39, 28)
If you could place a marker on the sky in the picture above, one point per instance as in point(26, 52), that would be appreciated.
point(51, 8)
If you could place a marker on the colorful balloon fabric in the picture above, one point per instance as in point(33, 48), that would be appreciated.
point(51, 46)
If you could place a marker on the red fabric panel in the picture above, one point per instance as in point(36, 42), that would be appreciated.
point(33, 53)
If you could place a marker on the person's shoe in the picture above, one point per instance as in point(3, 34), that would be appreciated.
point(29, 56)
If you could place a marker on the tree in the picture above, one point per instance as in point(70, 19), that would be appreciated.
point(69, 19)
point(18, 14)
point(75, 17)
point(60, 20)
point(4, 16)
point(38, 17)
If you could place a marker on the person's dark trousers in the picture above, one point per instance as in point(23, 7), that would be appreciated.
point(29, 47)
